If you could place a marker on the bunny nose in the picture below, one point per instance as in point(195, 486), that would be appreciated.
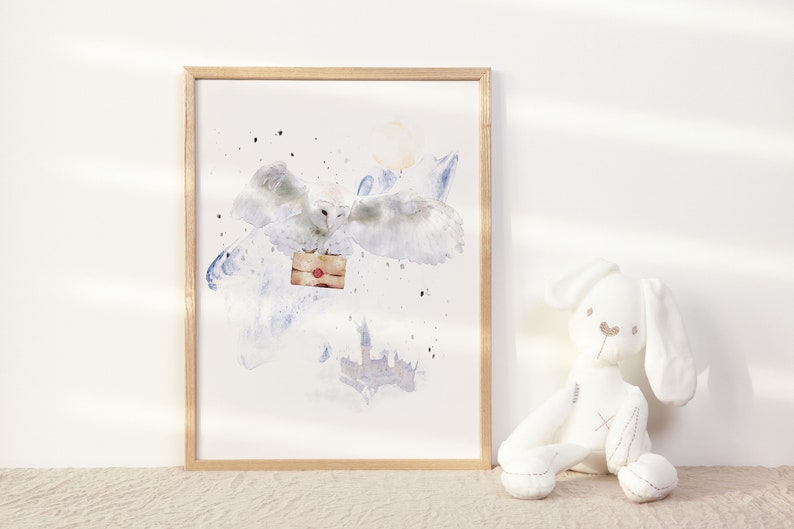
point(609, 331)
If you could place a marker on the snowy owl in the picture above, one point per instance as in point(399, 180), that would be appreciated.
point(325, 217)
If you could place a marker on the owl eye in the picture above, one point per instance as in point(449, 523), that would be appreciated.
point(325, 213)
point(590, 311)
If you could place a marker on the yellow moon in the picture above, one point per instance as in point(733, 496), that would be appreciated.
point(395, 146)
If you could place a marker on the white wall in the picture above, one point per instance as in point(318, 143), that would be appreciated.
point(658, 134)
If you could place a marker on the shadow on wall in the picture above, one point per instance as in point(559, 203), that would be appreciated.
point(729, 385)
point(503, 325)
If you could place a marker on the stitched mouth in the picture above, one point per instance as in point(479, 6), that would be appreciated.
point(598, 356)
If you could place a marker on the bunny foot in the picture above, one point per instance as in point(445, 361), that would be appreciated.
point(650, 478)
point(533, 475)
point(529, 485)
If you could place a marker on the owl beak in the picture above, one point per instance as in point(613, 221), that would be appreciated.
point(331, 220)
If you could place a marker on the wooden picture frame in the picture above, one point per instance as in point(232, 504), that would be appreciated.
point(374, 183)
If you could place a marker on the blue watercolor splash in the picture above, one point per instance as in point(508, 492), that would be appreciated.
point(432, 177)
point(326, 352)
point(440, 179)
point(378, 181)
point(260, 302)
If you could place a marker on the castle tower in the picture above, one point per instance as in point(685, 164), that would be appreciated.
point(366, 346)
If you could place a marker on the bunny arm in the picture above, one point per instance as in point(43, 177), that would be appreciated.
point(539, 427)
point(627, 439)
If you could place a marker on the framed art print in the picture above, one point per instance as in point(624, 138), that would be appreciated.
point(338, 268)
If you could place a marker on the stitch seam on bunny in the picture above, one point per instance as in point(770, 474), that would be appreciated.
point(575, 393)
point(636, 416)
point(604, 422)
point(631, 491)
point(551, 461)
point(602, 347)
point(648, 482)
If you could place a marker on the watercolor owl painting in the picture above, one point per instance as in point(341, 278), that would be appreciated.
point(338, 252)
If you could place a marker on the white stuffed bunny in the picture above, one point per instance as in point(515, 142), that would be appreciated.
point(597, 423)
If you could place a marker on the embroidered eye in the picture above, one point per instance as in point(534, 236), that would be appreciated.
point(325, 213)
point(634, 330)
point(590, 311)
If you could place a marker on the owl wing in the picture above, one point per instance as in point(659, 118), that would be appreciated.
point(406, 225)
point(272, 194)
point(431, 177)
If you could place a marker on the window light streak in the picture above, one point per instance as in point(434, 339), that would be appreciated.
point(160, 180)
point(740, 19)
point(165, 300)
point(670, 131)
point(223, 426)
point(771, 383)
point(135, 56)
point(623, 243)
point(155, 417)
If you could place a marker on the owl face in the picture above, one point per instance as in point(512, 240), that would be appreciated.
point(328, 206)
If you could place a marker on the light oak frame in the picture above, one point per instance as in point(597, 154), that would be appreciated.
point(480, 75)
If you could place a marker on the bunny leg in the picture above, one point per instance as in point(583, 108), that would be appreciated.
point(531, 475)
point(627, 438)
point(538, 428)
point(649, 478)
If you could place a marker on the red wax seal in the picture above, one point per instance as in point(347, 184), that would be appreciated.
point(318, 273)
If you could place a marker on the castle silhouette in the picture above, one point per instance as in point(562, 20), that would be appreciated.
point(372, 373)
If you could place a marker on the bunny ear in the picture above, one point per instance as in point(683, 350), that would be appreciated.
point(668, 360)
point(566, 292)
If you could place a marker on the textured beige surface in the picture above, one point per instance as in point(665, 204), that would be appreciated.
point(169, 497)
